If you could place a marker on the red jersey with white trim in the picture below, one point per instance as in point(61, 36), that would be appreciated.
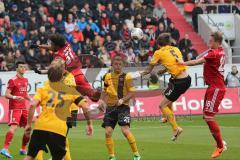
point(214, 68)
point(72, 62)
point(18, 87)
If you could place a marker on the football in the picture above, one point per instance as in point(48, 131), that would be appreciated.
point(136, 33)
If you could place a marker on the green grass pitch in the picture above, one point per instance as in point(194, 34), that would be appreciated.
point(153, 138)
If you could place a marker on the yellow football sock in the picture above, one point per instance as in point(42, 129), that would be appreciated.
point(67, 155)
point(133, 144)
point(110, 146)
point(39, 155)
point(170, 117)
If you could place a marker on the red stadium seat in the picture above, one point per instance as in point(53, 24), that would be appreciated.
point(188, 7)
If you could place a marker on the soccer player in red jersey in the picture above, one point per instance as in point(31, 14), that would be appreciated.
point(64, 51)
point(213, 72)
point(17, 94)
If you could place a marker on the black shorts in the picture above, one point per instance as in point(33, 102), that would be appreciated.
point(114, 115)
point(41, 139)
point(176, 87)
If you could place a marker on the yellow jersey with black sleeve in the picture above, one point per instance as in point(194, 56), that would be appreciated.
point(56, 99)
point(111, 87)
point(167, 56)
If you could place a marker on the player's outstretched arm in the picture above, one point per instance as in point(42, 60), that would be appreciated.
point(193, 62)
point(87, 115)
point(147, 70)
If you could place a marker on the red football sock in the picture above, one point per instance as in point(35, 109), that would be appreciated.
point(8, 139)
point(25, 141)
point(215, 130)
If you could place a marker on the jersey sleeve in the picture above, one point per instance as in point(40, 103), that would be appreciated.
point(10, 84)
point(129, 83)
point(79, 101)
point(155, 59)
point(38, 96)
point(105, 82)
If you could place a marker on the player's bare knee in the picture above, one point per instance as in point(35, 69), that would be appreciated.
point(125, 130)
point(13, 128)
point(108, 132)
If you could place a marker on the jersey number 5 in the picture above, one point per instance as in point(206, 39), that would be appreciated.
point(55, 100)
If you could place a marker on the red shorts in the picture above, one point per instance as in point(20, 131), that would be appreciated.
point(212, 100)
point(18, 117)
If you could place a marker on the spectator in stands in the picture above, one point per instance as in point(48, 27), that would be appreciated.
point(69, 24)
point(94, 26)
point(33, 24)
point(223, 8)
point(59, 24)
point(42, 36)
point(146, 11)
point(236, 7)
point(15, 16)
point(103, 54)
point(19, 57)
point(196, 11)
point(109, 44)
point(145, 42)
point(77, 34)
point(44, 22)
point(143, 57)
point(211, 8)
point(10, 61)
point(86, 11)
point(18, 37)
point(174, 33)
point(110, 11)
point(68, 35)
point(184, 45)
point(158, 11)
point(76, 46)
point(88, 33)
point(105, 23)
point(32, 58)
point(160, 29)
point(131, 57)
point(233, 78)
point(192, 54)
point(44, 59)
point(114, 33)
point(82, 24)
point(165, 21)
point(87, 46)
point(116, 20)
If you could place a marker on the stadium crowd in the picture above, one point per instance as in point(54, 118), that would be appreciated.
point(96, 29)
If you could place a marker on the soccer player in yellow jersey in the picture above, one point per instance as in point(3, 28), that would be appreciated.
point(50, 128)
point(179, 82)
point(118, 90)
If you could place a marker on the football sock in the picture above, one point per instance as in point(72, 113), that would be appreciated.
point(67, 155)
point(25, 141)
point(8, 139)
point(215, 130)
point(132, 143)
point(110, 146)
point(170, 117)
